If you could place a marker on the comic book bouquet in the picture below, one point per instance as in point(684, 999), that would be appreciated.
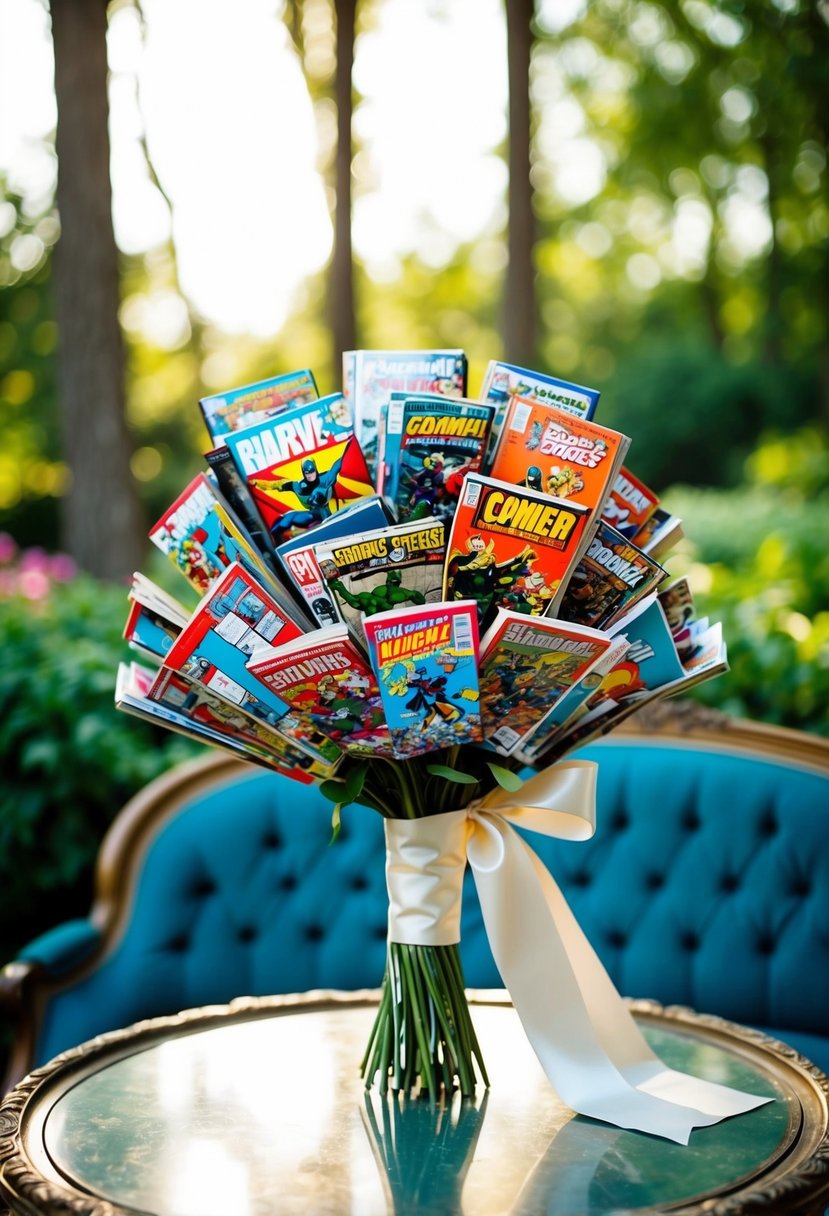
point(423, 602)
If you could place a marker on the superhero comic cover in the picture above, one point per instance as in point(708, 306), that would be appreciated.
point(302, 465)
point(297, 559)
point(429, 444)
point(425, 659)
point(240, 407)
point(548, 450)
point(611, 577)
point(329, 684)
point(370, 376)
point(527, 665)
point(512, 547)
point(375, 571)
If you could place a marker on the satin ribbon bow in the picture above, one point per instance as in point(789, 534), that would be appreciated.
point(588, 1044)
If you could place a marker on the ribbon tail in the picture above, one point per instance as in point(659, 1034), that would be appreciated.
point(580, 1028)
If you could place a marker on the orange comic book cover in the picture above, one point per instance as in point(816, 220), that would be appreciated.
point(551, 451)
point(512, 547)
point(630, 503)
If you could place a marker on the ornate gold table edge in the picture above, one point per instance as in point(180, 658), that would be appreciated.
point(34, 1195)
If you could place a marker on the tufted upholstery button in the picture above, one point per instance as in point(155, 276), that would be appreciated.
point(801, 887)
point(769, 826)
point(247, 933)
point(379, 932)
point(729, 883)
point(654, 881)
point(314, 933)
point(581, 878)
point(620, 821)
point(617, 939)
point(359, 883)
point(203, 888)
point(179, 943)
point(689, 942)
point(271, 840)
point(765, 944)
point(287, 882)
point(691, 822)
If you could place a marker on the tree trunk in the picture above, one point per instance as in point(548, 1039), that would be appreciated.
point(102, 524)
point(343, 324)
point(519, 306)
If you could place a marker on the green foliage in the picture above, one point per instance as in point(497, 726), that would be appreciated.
point(69, 759)
point(757, 560)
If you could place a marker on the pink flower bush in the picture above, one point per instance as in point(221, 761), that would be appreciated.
point(31, 573)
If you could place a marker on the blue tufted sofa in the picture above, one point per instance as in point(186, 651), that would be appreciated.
point(706, 884)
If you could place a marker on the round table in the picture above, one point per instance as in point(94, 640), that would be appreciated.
point(257, 1108)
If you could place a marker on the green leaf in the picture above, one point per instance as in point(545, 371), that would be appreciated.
point(451, 774)
point(336, 822)
point(355, 780)
point(334, 789)
point(506, 778)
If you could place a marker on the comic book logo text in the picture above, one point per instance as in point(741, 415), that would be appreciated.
point(501, 511)
point(575, 449)
point(457, 427)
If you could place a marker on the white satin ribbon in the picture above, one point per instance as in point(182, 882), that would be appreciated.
point(589, 1046)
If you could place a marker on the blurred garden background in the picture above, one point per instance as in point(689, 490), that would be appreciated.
point(631, 195)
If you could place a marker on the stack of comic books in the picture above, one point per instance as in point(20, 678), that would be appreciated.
point(400, 568)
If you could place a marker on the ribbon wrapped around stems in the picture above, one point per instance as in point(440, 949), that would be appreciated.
point(589, 1046)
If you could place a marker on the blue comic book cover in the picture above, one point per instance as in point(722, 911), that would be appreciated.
point(302, 466)
point(425, 658)
point(430, 444)
point(503, 381)
point(240, 407)
point(370, 376)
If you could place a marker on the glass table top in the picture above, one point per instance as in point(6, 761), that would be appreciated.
point(265, 1114)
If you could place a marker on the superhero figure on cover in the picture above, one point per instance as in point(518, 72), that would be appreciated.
point(430, 696)
point(386, 595)
point(313, 489)
point(475, 575)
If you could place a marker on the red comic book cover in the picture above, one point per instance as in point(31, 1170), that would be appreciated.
point(549, 450)
point(302, 465)
point(328, 683)
point(630, 503)
point(512, 547)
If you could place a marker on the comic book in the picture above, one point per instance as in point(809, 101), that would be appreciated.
point(527, 665)
point(208, 713)
point(425, 661)
point(370, 376)
point(659, 533)
point(297, 559)
point(512, 547)
point(552, 726)
point(429, 444)
point(611, 576)
point(202, 537)
point(503, 381)
point(302, 465)
point(372, 572)
point(546, 449)
point(235, 619)
point(155, 618)
point(328, 683)
point(236, 493)
point(630, 503)
point(240, 407)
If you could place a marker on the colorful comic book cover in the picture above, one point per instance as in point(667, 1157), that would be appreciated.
point(202, 538)
point(328, 683)
point(512, 547)
point(297, 559)
point(425, 659)
point(429, 444)
point(527, 665)
point(546, 449)
point(233, 621)
point(677, 602)
point(375, 571)
point(372, 375)
point(630, 503)
point(207, 712)
point(544, 735)
point(503, 381)
point(302, 466)
point(236, 493)
point(150, 631)
point(660, 532)
point(611, 576)
point(240, 407)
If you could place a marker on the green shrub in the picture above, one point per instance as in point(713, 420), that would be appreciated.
point(69, 759)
